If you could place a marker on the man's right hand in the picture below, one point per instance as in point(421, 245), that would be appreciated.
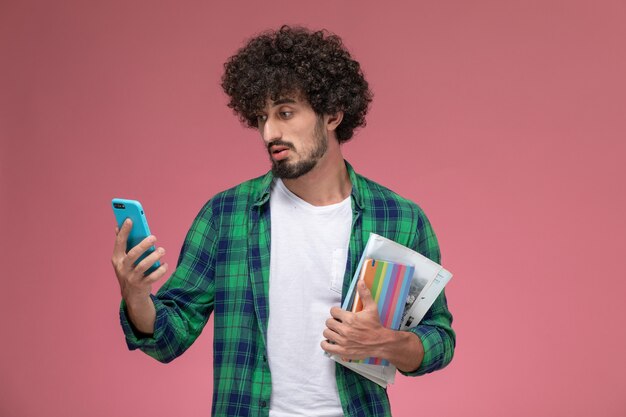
point(134, 286)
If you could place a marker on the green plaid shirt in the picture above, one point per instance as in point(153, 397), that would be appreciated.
point(224, 268)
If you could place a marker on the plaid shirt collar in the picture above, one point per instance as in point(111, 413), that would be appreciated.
point(263, 191)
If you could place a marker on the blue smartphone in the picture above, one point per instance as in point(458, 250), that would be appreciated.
point(131, 209)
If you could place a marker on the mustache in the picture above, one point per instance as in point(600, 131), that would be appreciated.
point(279, 142)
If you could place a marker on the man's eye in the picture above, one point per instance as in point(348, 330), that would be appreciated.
point(286, 114)
point(261, 118)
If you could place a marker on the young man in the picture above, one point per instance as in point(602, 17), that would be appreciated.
point(272, 258)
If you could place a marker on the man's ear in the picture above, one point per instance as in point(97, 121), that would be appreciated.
point(333, 120)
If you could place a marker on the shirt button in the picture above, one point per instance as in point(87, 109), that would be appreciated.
point(263, 403)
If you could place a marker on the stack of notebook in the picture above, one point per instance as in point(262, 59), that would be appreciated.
point(389, 284)
point(404, 284)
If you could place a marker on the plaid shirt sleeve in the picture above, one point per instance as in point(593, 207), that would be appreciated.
point(435, 329)
point(183, 304)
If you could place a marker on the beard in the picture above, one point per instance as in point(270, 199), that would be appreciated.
point(287, 170)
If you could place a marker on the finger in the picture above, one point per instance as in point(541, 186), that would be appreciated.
point(335, 326)
point(119, 249)
point(147, 262)
point(117, 230)
point(366, 296)
point(135, 252)
point(331, 348)
point(333, 337)
point(157, 274)
point(339, 314)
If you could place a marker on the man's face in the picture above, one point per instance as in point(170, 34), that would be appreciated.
point(294, 135)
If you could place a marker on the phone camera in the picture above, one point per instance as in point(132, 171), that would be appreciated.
point(119, 205)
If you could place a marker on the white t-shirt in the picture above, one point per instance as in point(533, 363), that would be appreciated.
point(309, 249)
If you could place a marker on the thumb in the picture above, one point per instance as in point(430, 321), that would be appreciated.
point(366, 296)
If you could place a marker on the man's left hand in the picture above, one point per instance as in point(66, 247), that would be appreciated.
point(355, 335)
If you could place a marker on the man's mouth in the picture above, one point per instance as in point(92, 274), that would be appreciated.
point(278, 148)
point(279, 152)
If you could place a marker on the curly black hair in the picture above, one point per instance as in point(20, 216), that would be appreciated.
point(296, 61)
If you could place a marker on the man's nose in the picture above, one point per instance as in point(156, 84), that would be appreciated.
point(270, 131)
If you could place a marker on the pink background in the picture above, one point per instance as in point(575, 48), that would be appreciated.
point(504, 120)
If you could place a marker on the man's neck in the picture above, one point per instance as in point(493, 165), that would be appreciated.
point(327, 183)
